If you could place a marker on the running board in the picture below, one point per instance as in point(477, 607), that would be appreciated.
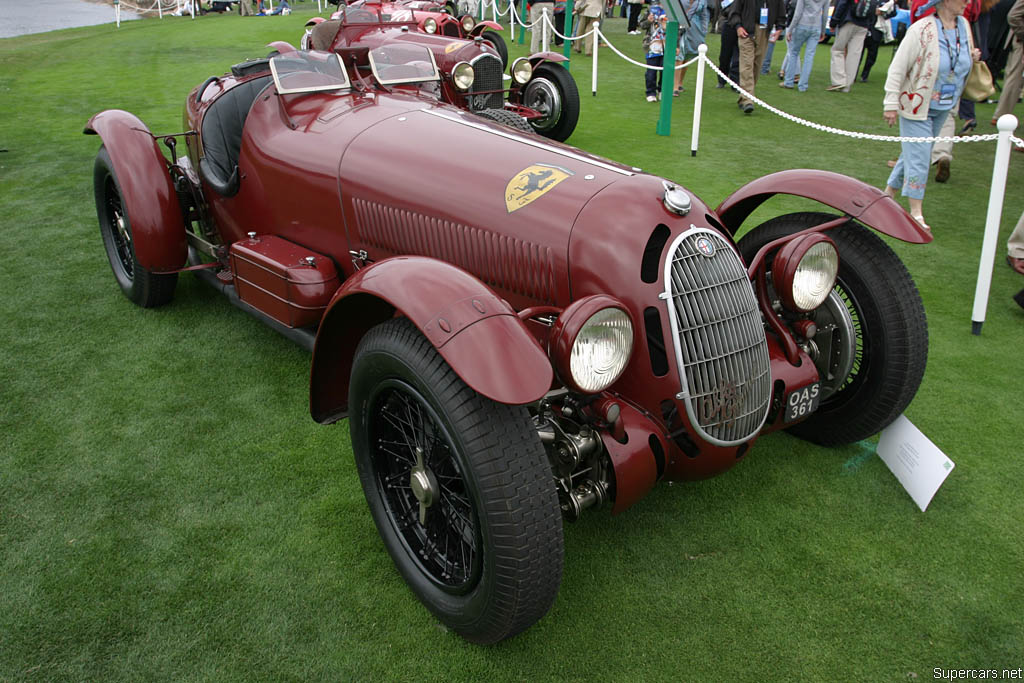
point(303, 336)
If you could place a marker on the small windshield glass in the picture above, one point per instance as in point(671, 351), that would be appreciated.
point(408, 63)
point(308, 72)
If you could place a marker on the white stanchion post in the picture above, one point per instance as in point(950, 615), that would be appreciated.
point(319, 8)
point(698, 98)
point(192, 8)
point(544, 31)
point(597, 43)
point(117, 13)
point(1006, 125)
point(494, 11)
point(511, 20)
point(270, 4)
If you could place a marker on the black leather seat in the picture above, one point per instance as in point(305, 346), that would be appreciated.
point(222, 135)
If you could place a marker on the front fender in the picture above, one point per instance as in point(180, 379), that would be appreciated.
point(158, 227)
point(861, 201)
point(541, 57)
point(484, 25)
point(476, 332)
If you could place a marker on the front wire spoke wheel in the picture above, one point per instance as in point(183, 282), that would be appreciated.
point(459, 487)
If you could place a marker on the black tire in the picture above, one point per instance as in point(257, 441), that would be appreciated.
point(451, 8)
point(492, 501)
point(507, 118)
point(552, 91)
point(498, 43)
point(145, 288)
point(889, 329)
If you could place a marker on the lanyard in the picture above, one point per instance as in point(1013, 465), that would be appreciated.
point(953, 58)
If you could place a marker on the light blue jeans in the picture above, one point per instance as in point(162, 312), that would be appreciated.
point(911, 169)
point(802, 35)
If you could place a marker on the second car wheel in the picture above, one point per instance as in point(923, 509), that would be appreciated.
point(459, 487)
point(552, 92)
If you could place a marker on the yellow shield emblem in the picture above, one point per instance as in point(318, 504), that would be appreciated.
point(532, 183)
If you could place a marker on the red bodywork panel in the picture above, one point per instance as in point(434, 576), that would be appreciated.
point(158, 229)
point(477, 333)
point(866, 203)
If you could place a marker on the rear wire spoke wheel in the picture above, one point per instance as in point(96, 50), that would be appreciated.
point(876, 323)
point(143, 287)
point(459, 487)
point(553, 93)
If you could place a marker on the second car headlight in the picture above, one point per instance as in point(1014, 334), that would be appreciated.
point(430, 25)
point(591, 343)
point(462, 76)
point(468, 23)
point(522, 71)
point(805, 271)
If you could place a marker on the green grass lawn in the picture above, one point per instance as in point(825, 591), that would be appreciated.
point(168, 509)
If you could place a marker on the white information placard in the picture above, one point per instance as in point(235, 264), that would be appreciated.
point(917, 463)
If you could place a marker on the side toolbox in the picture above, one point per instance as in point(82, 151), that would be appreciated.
point(290, 283)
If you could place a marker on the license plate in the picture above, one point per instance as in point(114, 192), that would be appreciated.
point(802, 402)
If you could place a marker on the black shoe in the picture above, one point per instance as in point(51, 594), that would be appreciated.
point(969, 125)
point(747, 108)
point(864, 78)
point(942, 170)
point(720, 85)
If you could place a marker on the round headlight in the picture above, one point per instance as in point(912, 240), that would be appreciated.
point(467, 23)
point(430, 25)
point(522, 70)
point(805, 271)
point(462, 76)
point(591, 342)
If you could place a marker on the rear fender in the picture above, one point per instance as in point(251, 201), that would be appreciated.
point(857, 199)
point(285, 47)
point(476, 332)
point(158, 227)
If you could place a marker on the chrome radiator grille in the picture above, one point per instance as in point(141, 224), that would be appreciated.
point(487, 76)
point(719, 338)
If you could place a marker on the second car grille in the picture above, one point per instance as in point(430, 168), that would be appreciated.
point(719, 338)
point(487, 76)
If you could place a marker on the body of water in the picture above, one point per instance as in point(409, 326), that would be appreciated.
point(18, 17)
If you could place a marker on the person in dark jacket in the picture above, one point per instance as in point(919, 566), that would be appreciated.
point(850, 33)
point(755, 22)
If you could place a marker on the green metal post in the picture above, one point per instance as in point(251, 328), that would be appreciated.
point(522, 23)
point(668, 77)
point(567, 30)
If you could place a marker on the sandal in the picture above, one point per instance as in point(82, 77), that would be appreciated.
point(920, 221)
point(969, 125)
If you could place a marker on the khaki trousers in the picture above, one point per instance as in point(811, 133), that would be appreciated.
point(944, 150)
point(1011, 82)
point(536, 18)
point(586, 24)
point(846, 54)
point(1015, 245)
point(752, 49)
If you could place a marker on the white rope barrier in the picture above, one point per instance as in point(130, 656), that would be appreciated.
point(641, 64)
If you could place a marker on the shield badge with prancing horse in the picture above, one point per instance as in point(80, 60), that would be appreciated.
point(532, 183)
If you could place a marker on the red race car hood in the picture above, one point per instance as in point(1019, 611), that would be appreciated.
point(494, 201)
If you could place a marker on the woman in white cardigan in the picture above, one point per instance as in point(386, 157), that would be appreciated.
point(924, 83)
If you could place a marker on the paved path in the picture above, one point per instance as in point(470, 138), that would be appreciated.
point(18, 17)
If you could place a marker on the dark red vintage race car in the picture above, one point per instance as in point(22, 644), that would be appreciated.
point(517, 335)
point(541, 94)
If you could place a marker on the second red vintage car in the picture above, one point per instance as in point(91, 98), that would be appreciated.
point(541, 95)
point(517, 336)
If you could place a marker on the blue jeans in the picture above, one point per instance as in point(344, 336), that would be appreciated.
point(766, 65)
point(652, 78)
point(802, 36)
point(911, 169)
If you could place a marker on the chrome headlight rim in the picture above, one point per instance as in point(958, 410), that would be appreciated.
point(521, 71)
point(591, 343)
point(463, 75)
point(467, 22)
point(430, 25)
point(805, 271)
